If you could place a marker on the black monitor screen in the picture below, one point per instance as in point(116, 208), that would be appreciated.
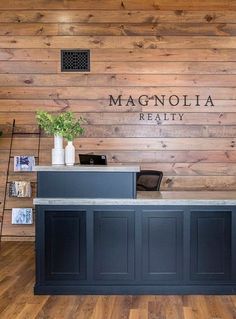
point(89, 159)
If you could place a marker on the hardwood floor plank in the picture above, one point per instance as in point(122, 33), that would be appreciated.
point(188, 313)
point(138, 314)
point(17, 300)
point(104, 307)
point(221, 304)
point(29, 311)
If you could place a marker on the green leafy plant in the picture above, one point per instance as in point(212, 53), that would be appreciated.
point(72, 126)
point(64, 124)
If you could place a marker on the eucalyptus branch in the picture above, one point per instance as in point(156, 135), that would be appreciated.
point(64, 124)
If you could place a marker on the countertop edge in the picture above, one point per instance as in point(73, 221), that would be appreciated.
point(87, 168)
point(121, 201)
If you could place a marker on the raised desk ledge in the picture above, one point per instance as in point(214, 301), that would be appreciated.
point(88, 168)
point(152, 198)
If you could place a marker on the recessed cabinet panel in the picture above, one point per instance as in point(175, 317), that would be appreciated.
point(114, 245)
point(86, 185)
point(162, 245)
point(210, 245)
point(135, 249)
point(65, 245)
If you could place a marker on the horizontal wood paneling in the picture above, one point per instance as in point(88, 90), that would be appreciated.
point(119, 5)
point(100, 93)
point(200, 183)
point(28, 29)
point(114, 55)
point(147, 144)
point(133, 130)
point(107, 80)
point(18, 202)
point(95, 106)
point(134, 118)
point(28, 67)
point(116, 16)
point(193, 169)
point(154, 29)
point(15, 230)
point(137, 47)
point(160, 131)
point(126, 144)
point(116, 29)
point(111, 42)
point(160, 156)
point(173, 68)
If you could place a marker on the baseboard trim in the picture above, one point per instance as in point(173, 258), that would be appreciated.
point(135, 290)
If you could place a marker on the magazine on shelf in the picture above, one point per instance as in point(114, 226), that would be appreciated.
point(20, 189)
point(24, 163)
point(22, 216)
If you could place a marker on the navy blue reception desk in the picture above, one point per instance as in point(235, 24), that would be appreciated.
point(87, 181)
point(156, 243)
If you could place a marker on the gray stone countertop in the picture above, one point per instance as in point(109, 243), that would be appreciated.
point(88, 168)
point(151, 198)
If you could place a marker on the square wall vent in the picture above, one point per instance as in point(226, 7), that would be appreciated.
point(75, 60)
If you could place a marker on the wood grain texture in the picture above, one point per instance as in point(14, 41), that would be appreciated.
point(137, 47)
point(111, 42)
point(23, 106)
point(126, 144)
point(153, 29)
point(110, 80)
point(17, 299)
point(92, 16)
point(153, 144)
point(119, 5)
point(173, 68)
point(28, 29)
point(103, 93)
point(116, 29)
point(153, 119)
point(132, 55)
point(9, 229)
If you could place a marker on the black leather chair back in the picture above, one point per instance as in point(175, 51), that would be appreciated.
point(148, 180)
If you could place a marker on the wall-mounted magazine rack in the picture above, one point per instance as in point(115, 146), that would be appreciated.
point(13, 134)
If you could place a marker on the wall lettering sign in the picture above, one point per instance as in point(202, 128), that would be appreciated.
point(160, 102)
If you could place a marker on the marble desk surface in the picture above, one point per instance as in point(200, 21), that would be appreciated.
point(88, 168)
point(152, 198)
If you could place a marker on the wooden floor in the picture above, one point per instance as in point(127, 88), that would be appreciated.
point(17, 299)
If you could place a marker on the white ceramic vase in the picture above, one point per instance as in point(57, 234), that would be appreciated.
point(70, 153)
point(58, 152)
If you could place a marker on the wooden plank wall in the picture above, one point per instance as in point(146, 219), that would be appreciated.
point(137, 47)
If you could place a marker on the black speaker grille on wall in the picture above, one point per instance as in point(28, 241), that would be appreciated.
point(75, 60)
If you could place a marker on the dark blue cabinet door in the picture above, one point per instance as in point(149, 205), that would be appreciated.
point(65, 255)
point(114, 245)
point(162, 245)
point(210, 245)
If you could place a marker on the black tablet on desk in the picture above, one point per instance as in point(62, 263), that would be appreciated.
point(89, 159)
